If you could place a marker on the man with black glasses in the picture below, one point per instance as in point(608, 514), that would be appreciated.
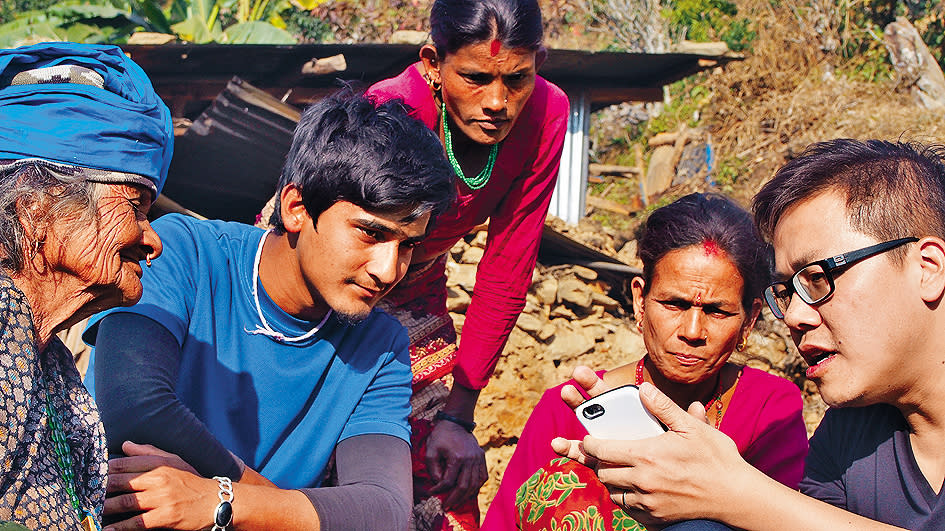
point(858, 230)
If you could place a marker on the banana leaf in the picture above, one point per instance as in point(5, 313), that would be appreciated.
point(257, 33)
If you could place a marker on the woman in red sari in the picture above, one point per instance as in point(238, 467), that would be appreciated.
point(502, 128)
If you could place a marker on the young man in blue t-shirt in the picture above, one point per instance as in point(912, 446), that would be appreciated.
point(254, 356)
point(858, 229)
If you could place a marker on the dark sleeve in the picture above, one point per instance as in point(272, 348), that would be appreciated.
point(136, 366)
point(374, 485)
point(823, 469)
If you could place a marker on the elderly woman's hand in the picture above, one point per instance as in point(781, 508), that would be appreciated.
point(685, 473)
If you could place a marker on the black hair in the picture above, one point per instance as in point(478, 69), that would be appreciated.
point(346, 148)
point(457, 23)
point(892, 189)
point(697, 219)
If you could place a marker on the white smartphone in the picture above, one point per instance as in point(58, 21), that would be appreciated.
point(618, 414)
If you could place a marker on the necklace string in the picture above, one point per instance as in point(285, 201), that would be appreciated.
point(480, 179)
point(716, 402)
point(63, 452)
point(266, 329)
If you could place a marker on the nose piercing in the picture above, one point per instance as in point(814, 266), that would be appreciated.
point(147, 260)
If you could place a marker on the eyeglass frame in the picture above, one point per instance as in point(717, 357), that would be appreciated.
point(829, 265)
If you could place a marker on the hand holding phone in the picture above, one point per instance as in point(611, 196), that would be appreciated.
point(618, 414)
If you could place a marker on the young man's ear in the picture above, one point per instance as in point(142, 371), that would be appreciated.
point(932, 262)
point(292, 209)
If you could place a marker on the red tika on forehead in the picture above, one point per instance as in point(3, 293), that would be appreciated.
point(494, 47)
point(710, 248)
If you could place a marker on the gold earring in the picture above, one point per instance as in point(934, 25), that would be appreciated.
point(434, 86)
point(741, 344)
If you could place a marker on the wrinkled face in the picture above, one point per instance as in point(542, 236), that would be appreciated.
point(485, 87)
point(692, 316)
point(854, 342)
point(106, 256)
point(353, 257)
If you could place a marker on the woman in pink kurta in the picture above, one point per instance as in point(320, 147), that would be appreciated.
point(704, 267)
point(503, 130)
point(764, 419)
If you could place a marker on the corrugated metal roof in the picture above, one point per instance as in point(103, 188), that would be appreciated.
point(228, 162)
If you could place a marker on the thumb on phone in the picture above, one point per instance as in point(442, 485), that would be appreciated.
point(668, 412)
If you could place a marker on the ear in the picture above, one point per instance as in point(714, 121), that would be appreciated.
point(932, 261)
point(636, 288)
point(294, 213)
point(31, 211)
point(752, 317)
point(540, 57)
point(431, 62)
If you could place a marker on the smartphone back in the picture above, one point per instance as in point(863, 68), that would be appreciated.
point(618, 414)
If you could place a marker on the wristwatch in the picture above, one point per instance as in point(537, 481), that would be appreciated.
point(223, 514)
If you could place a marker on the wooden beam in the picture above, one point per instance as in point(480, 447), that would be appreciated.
point(607, 204)
point(613, 169)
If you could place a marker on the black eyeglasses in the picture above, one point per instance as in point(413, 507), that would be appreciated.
point(814, 282)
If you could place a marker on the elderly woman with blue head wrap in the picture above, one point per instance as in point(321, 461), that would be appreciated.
point(85, 144)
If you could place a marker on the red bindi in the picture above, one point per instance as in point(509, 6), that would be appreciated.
point(698, 300)
point(710, 248)
point(494, 47)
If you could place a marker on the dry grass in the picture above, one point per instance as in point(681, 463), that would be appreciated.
point(789, 92)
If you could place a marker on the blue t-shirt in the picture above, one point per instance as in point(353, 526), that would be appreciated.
point(861, 460)
point(280, 407)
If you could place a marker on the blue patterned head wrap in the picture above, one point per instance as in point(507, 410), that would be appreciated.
point(84, 105)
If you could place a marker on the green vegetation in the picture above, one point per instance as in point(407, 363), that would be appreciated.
point(709, 20)
point(198, 21)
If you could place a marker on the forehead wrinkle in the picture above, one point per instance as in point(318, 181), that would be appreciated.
point(701, 297)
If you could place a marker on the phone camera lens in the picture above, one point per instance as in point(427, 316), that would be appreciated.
point(593, 411)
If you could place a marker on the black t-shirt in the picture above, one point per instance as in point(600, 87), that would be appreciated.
point(861, 460)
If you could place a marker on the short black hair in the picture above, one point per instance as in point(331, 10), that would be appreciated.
point(458, 23)
point(697, 219)
point(892, 189)
point(348, 148)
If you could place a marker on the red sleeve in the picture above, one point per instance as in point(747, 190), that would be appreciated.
point(551, 418)
point(505, 271)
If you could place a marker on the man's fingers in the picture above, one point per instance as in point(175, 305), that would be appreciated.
point(573, 450)
point(133, 523)
point(151, 457)
point(123, 503)
point(697, 411)
point(665, 409)
point(571, 396)
point(136, 464)
point(589, 381)
point(132, 448)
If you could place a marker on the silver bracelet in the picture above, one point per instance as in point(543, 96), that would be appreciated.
point(223, 514)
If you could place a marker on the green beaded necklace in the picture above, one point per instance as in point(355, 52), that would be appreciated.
point(482, 178)
point(64, 462)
